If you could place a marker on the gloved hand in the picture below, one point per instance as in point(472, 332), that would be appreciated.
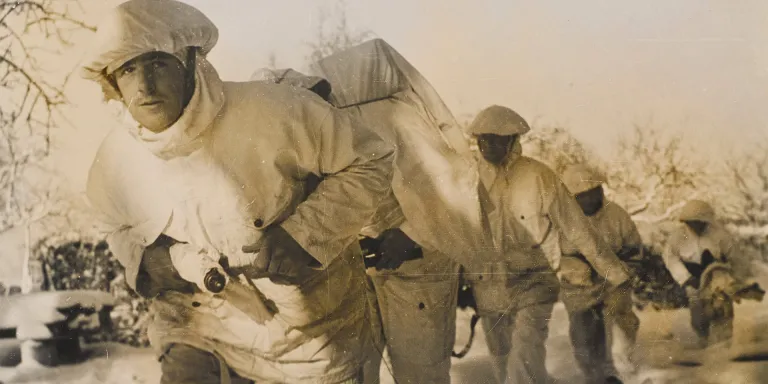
point(280, 258)
point(619, 277)
point(690, 287)
point(396, 248)
point(629, 285)
point(193, 263)
point(575, 271)
point(691, 292)
point(626, 253)
point(157, 273)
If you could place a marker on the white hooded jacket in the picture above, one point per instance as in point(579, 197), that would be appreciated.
point(250, 169)
point(434, 187)
point(617, 229)
point(685, 246)
point(528, 207)
point(242, 157)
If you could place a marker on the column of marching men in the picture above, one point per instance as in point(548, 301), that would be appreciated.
point(241, 209)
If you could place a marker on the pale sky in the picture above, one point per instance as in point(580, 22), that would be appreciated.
point(596, 67)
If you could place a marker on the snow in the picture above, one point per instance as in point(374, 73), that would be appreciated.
point(665, 337)
point(106, 363)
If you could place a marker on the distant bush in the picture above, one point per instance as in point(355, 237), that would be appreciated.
point(74, 262)
point(657, 288)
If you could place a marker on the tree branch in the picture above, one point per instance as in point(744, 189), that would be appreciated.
point(28, 111)
point(749, 230)
point(663, 217)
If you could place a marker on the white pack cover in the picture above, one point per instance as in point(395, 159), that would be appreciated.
point(435, 180)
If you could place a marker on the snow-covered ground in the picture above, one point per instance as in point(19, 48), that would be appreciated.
point(665, 338)
point(108, 364)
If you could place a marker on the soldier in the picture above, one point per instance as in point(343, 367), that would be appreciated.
point(599, 318)
point(234, 206)
point(697, 246)
point(528, 209)
point(428, 216)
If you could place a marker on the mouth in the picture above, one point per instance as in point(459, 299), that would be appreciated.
point(493, 155)
point(150, 103)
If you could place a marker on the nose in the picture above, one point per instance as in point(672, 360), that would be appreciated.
point(147, 77)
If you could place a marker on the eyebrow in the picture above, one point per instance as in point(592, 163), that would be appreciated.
point(154, 56)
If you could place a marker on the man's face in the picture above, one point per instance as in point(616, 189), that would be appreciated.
point(698, 227)
point(495, 148)
point(591, 201)
point(153, 88)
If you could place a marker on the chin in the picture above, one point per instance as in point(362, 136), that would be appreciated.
point(156, 125)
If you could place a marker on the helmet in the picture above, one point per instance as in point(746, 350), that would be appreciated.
point(498, 120)
point(579, 178)
point(697, 210)
point(137, 27)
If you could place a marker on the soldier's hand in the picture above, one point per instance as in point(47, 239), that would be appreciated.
point(691, 291)
point(157, 273)
point(396, 248)
point(690, 287)
point(619, 276)
point(281, 258)
point(629, 285)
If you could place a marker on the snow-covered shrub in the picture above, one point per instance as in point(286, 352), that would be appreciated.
point(77, 262)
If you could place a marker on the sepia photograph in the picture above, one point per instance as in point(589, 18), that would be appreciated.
point(383, 192)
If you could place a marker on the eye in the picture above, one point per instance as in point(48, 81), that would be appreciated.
point(125, 71)
point(159, 64)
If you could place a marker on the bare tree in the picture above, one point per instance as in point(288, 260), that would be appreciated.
point(31, 32)
point(654, 175)
point(745, 193)
point(333, 33)
point(558, 148)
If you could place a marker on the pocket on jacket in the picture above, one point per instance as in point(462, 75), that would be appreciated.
point(419, 317)
point(493, 297)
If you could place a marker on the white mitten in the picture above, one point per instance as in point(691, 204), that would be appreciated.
point(193, 262)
